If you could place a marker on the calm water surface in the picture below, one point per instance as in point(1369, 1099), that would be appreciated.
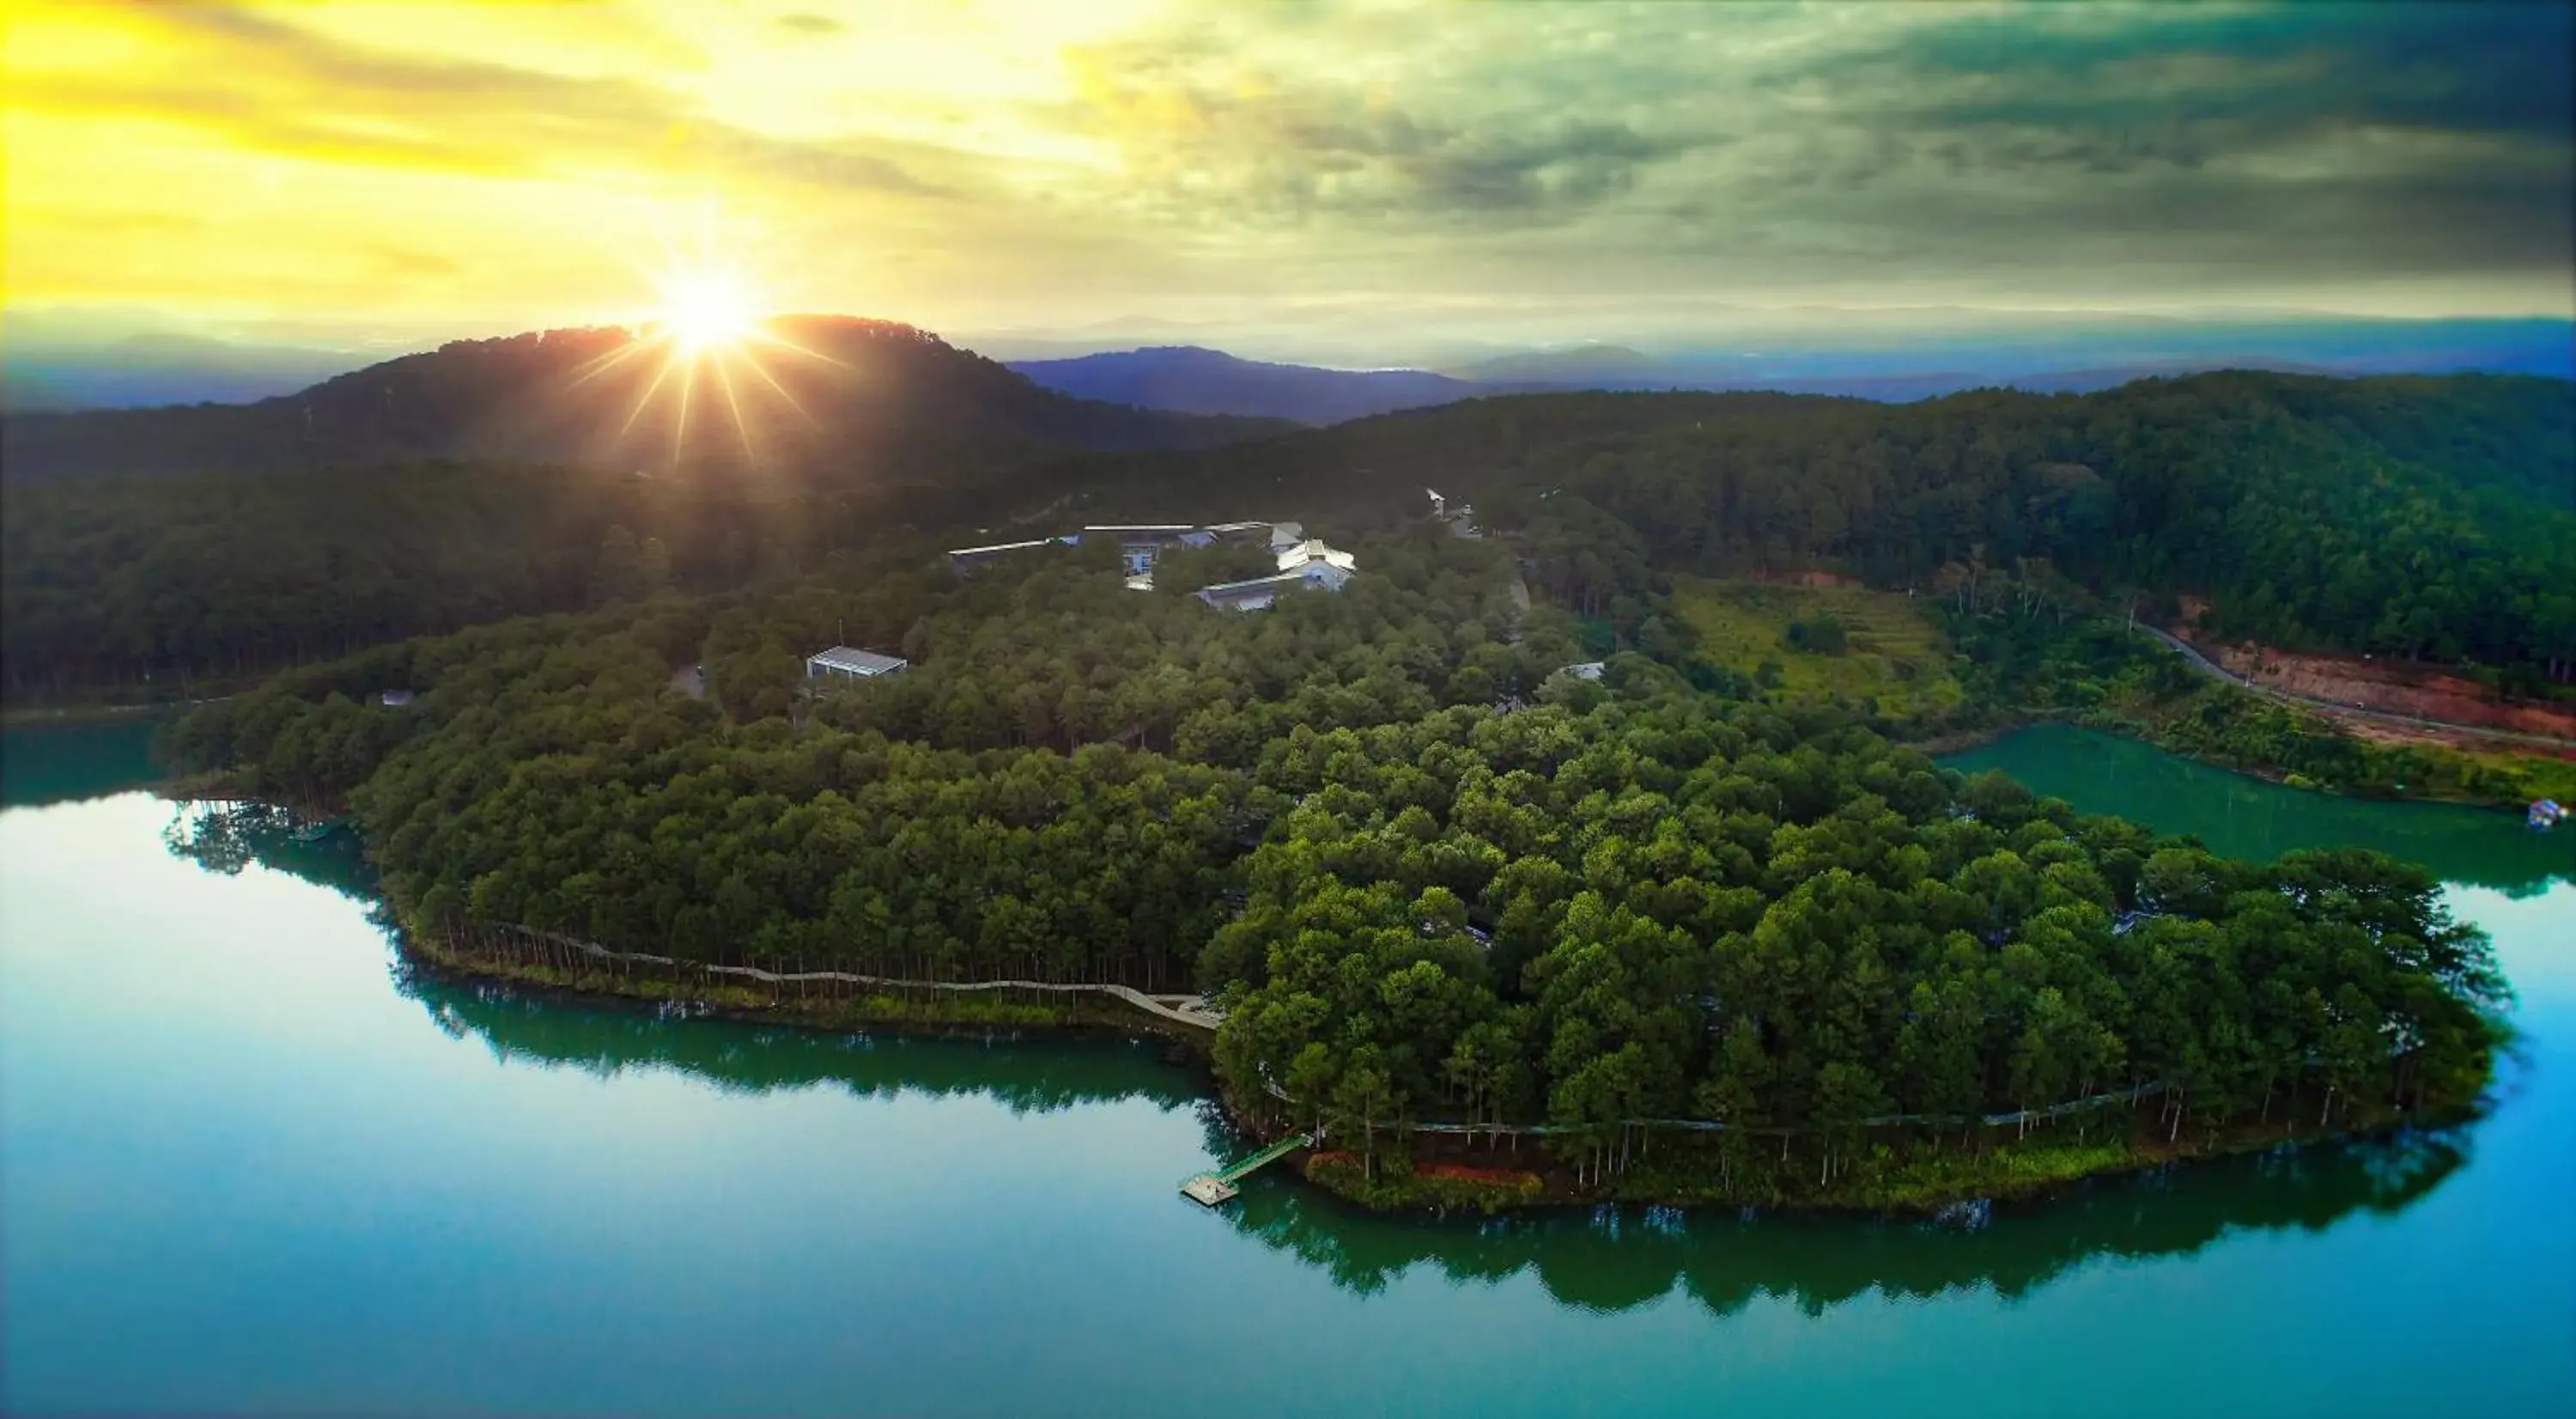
point(248, 1166)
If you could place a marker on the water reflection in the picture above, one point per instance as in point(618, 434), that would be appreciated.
point(70, 762)
point(1612, 1259)
point(1025, 1076)
point(227, 837)
point(1606, 1259)
point(2249, 818)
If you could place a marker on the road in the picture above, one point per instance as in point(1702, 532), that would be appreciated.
point(2211, 668)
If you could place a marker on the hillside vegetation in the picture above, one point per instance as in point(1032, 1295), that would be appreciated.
point(2415, 518)
point(1429, 875)
point(1835, 642)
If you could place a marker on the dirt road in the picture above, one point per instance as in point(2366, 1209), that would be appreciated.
point(2330, 708)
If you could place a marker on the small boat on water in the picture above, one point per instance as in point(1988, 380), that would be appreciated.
point(316, 832)
point(2545, 814)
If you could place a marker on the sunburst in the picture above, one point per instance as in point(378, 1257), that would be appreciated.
point(708, 319)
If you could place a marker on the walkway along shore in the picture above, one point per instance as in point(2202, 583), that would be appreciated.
point(530, 945)
point(555, 949)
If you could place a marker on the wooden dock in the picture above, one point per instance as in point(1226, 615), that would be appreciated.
point(1209, 1189)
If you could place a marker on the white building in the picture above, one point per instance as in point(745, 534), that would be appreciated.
point(1313, 550)
point(843, 662)
point(1309, 565)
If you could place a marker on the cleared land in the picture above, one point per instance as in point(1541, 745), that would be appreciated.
point(1893, 651)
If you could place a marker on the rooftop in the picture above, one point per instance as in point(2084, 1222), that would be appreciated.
point(1000, 547)
point(1315, 549)
point(850, 660)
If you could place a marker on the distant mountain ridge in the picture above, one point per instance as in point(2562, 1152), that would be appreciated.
point(838, 402)
point(1192, 379)
point(1197, 379)
point(140, 371)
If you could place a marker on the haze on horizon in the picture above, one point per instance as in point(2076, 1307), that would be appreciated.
point(1279, 180)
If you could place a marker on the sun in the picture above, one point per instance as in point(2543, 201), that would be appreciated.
point(706, 310)
point(707, 339)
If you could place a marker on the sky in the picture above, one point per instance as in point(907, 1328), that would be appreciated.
point(388, 172)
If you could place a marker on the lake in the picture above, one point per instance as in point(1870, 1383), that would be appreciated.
point(249, 1164)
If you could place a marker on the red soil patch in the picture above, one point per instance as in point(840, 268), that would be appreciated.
point(2394, 688)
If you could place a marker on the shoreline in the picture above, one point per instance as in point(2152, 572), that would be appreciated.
point(1430, 1173)
point(1961, 741)
point(66, 716)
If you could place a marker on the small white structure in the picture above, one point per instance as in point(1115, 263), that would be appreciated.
point(395, 699)
point(1583, 669)
point(843, 662)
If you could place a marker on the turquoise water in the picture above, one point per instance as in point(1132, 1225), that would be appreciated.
point(249, 1165)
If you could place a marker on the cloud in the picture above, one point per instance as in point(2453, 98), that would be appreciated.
point(1071, 163)
point(2053, 147)
point(274, 87)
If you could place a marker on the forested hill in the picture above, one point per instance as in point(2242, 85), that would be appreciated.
point(836, 402)
point(2419, 516)
point(2429, 517)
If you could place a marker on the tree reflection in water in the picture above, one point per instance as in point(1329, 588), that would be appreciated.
point(1612, 1259)
point(1603, 1259)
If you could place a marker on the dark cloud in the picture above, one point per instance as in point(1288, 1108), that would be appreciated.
point(2487, 67)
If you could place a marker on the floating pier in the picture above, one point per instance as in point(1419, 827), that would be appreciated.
point(1209, 1189)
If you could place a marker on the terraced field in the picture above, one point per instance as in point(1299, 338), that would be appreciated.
point(1893, 650)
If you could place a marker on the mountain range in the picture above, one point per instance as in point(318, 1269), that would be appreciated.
point(831, 401)
point(39, 370)
point(1192, 379)
point(826, 401)
point(1199, 380)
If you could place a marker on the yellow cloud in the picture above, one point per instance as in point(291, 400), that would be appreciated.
point(440, 165)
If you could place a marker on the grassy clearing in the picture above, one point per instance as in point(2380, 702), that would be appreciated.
point(1894, 652)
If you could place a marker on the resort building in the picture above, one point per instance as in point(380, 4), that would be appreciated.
point(843, 662)
point(1139, 543)
point(1309, 565)
point(1279, 536)
point(1312, 550)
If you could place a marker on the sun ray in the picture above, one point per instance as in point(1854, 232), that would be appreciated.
point(792, 402)
point(741, 425)
point(707, 316)
point(680, 425)
point(598, 365)
point(772, 337)
point(645, 398)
